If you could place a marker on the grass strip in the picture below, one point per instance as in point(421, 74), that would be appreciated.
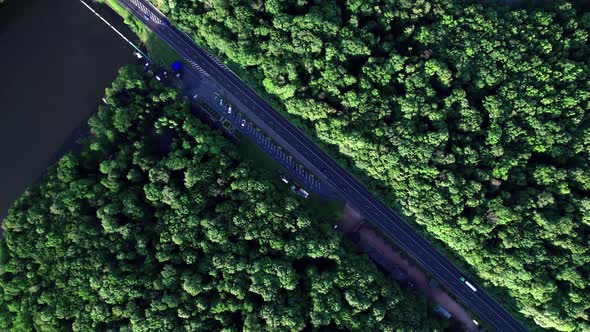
point(158, 50)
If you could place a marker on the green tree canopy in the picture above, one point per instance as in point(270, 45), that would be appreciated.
point(471, 118)
point(157, 225)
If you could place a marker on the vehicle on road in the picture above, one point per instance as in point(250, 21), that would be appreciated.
point(229, 110)
point(146, 67)
point(243, 122)
point(345, 185)
point(468, 284)
point(137, 55)
point(146, 16)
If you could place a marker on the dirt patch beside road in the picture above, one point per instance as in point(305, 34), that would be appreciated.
point(352, 223)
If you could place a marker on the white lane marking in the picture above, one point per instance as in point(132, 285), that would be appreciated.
point(356, 187)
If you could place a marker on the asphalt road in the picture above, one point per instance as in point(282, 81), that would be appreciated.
point(349, 188)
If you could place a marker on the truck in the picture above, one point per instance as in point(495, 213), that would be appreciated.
point(470, 285)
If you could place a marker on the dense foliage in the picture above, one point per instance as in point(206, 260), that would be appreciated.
point(479, 121)
point(157, 226)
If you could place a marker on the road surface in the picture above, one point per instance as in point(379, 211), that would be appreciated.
point(315, 159)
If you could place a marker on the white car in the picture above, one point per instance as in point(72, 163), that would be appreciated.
point(285, 179)
point(243, 122)
point(138, 55)
point(229, 110)
point(303, 193)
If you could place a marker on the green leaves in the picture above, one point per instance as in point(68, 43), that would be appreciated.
point(135, 238)
point(433, 100)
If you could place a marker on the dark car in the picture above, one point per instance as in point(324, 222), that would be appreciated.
point(160, 74)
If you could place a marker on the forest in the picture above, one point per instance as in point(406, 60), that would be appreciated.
point(470, 118)
point(157, 224)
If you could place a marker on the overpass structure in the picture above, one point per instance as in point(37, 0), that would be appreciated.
point(326, 170)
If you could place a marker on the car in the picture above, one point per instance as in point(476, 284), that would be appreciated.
point(196, 96)
point(468, 284)
point(284, 178)
point(160, 74)
point(146, 16)
point(243, 122)
point(137, 55)
point(229, 110)
point(303, 193)
point(176, 66)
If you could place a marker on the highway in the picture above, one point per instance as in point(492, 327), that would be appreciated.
point(348, 187)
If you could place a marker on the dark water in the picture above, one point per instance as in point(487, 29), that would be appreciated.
point(56, 60)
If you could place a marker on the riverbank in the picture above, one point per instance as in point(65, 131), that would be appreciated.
point(159, 51)
point(53, 79)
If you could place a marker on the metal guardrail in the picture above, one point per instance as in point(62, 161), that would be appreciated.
point(117, 31)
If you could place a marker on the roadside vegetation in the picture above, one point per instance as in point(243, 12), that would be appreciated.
point(158, 50)
point(157, 224)
point(471, 119)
